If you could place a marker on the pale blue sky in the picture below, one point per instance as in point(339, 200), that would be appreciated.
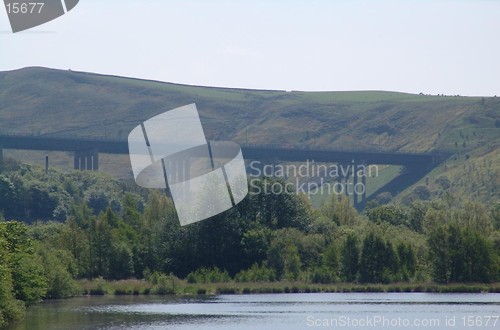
point(450, 47)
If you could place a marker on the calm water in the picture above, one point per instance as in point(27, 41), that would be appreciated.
point(273, 311)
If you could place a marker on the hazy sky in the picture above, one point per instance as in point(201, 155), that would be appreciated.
point(450, 47)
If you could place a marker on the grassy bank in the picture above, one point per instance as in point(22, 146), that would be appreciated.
point(182, 287)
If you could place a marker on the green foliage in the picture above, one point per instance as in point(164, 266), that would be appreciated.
point(162, 283)
point(256, 273)
point(98, 287)
point(11, 310)
point(340, 211)
point(474, 216)
point(121, 263)
point(291, 263)
point(6, 194)
point(276, 210)
point(28, 281)
point(30, 284)
point(256, 243)
point(461, 255)
point(331, 258)
point(407, 261)
point(350, 259)
point(112, 232)
point(439, 254)
point(29, 193)
point(495, 215)
point(57, 265)
point(378, 263)
point(22, 281)
point(284, 254)
point(416, 214)
point(323, 275)
point(470, 214)
point(206, 275)
point(388, 213)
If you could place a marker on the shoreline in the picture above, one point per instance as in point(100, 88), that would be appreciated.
point(101, 287)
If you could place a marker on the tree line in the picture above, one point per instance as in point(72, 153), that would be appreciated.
point(59, 227)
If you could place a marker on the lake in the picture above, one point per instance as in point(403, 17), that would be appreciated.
point(271, 311)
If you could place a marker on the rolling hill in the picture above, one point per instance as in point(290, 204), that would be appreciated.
point(42, 101)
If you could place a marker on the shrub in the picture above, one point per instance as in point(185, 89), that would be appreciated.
point(97, 288)
point(60, 283)
point(163, 284)
point(256, 273)
point(208, 275)
point(11, 310)
point(323, 275)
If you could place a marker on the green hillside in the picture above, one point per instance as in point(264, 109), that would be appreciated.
point(41, 101)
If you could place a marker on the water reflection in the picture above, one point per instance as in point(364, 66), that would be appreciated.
point(273, 311)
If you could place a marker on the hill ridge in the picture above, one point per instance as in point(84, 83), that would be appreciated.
point(41, 101)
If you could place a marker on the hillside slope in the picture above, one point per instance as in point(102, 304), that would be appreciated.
point(41, 101)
